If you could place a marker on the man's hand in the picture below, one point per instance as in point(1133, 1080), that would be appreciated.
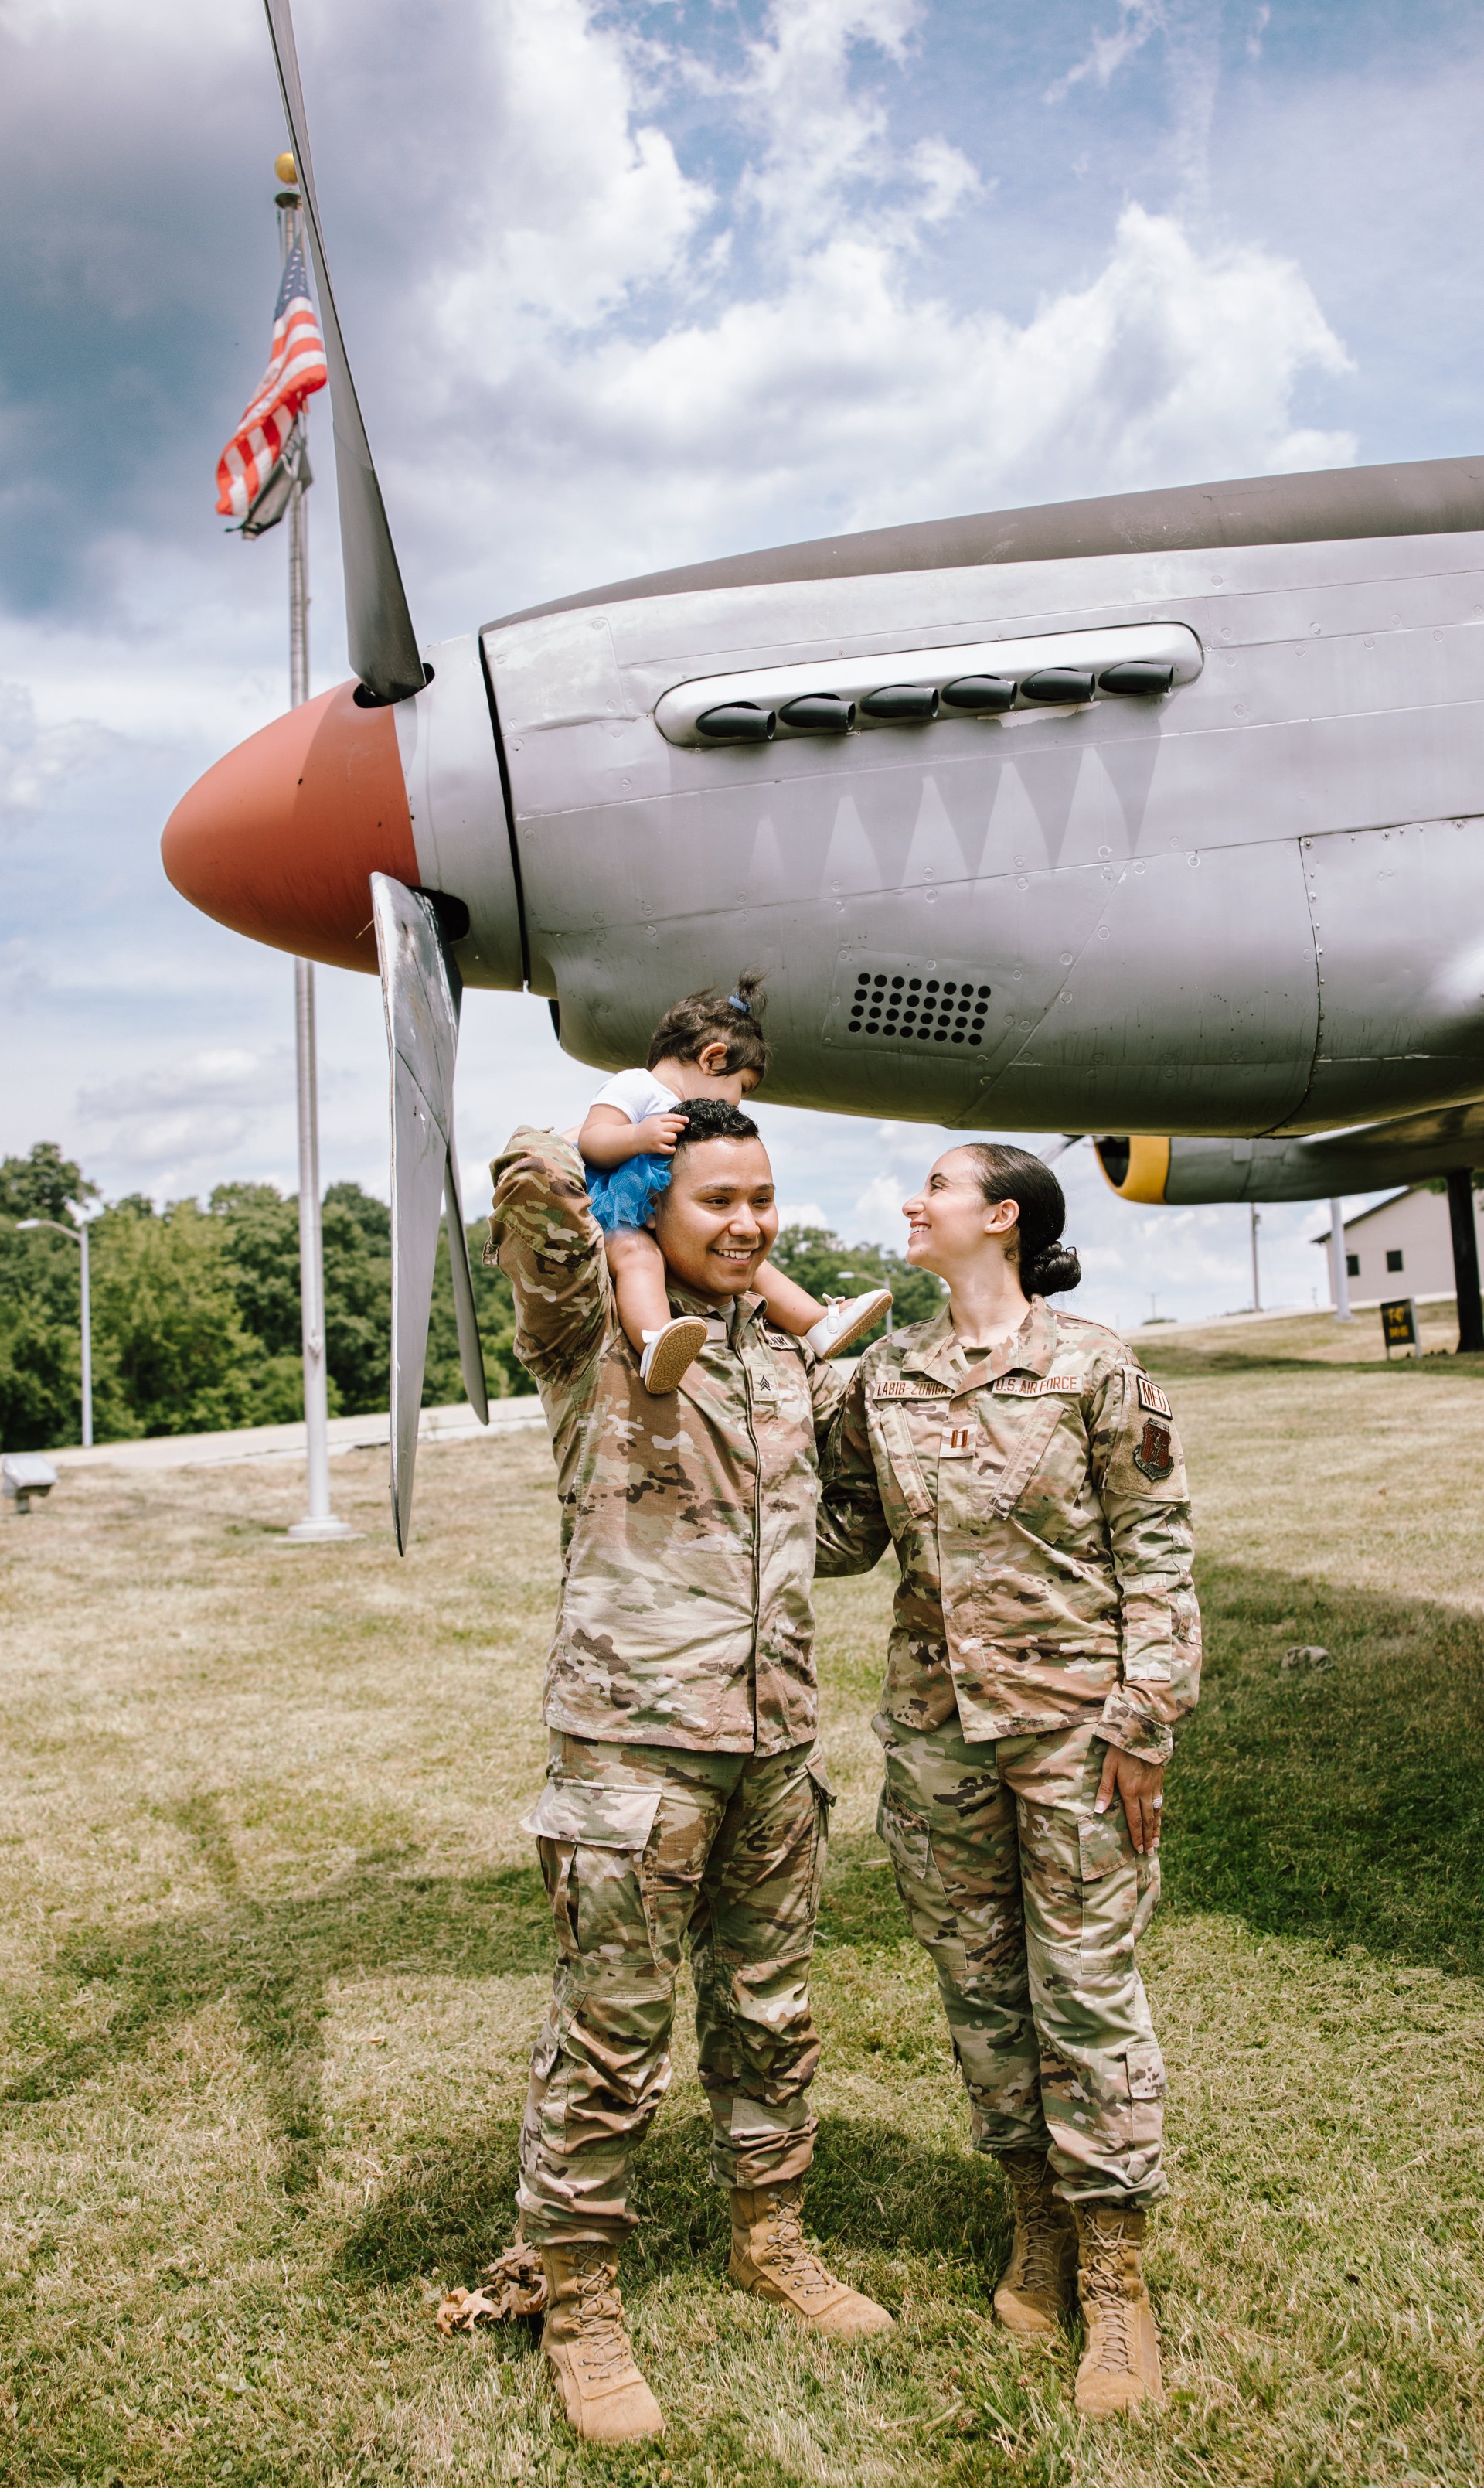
point(1141, 1786)
point(657, 1134)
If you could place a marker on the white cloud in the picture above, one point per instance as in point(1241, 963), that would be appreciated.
point(181, 1126)
point(36, 759)
point(580, 197)
point(824, 383)
point(1138, 20)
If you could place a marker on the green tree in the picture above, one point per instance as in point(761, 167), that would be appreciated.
point(358, 1233)
point(261, 1229)
point(43, 1184)
point(196, 1314)
point(817, 1259)
point(164, 1305)
point(505, 1377)
point(40, 1360)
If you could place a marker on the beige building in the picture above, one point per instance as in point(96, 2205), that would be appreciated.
point(1403, 1247)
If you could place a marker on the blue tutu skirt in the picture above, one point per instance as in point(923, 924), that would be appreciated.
point(625, 1195)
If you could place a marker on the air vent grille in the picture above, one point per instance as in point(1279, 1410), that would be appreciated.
point(904, 1009)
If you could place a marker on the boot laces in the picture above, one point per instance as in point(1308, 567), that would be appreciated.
point(602, 2343)
point(1103, 2272)
point(787, 2255)
point(1041, 2234)
point(1045, 2240)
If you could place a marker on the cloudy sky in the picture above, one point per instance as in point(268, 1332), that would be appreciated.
point(624, 287)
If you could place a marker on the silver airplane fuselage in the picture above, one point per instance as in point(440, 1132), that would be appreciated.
point(1255, 904)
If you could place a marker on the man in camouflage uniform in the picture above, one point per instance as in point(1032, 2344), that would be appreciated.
point(685, 1799)
point(1045, 1625)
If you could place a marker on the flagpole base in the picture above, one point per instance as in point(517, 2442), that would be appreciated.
point(312, 1532)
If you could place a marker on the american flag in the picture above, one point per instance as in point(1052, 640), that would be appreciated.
point(295, 370)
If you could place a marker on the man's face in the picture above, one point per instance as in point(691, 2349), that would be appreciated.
point(718, 1218)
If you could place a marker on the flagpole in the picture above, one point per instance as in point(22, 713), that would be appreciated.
point(318, 1521)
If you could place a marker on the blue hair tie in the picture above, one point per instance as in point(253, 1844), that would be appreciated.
point(737, 1004)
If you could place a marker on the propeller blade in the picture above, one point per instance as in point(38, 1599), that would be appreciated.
point(383, 648)
point(420, 989)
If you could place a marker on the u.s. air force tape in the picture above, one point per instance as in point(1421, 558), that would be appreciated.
point(1034, 1386)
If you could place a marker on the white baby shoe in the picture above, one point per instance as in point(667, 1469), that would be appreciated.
point(669, 1350)
point(847, 1319)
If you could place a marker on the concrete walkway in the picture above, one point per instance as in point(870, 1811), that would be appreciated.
point(286, 1442)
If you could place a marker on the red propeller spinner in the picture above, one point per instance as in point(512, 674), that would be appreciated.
point(279, 839)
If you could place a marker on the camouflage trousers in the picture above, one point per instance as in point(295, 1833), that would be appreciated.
point(645, 1850)
point(1030, 1905)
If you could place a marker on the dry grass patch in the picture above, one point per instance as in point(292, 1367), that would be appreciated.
point(273, 1948)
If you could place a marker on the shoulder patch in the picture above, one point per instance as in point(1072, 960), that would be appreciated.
point(1152, 1398)
point(1035, 1386)
point(904, 1386)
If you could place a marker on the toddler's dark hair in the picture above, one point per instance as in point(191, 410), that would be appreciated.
point(1048, 1267)
point(712, 1119)
point(699, 1020)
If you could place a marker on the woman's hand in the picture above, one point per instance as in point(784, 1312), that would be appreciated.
point(1141, 1786)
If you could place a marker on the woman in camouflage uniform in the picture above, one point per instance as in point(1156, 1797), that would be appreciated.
point(1045, 1639)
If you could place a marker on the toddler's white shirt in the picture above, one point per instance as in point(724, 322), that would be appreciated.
point(639, 1094)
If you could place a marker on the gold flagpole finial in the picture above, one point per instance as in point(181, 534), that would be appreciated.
point(285, 167)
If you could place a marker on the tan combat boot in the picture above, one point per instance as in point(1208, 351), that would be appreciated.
point(770, 2257)
point(605, 2396)
point(1036, 2289)
point(1120, 2366)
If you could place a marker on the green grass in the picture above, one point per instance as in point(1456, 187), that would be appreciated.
point(274, 1950)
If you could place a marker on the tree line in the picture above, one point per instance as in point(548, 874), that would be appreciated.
point(196, 1310)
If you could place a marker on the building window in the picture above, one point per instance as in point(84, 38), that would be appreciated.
point(1394, 1261)
point(1353, 1265)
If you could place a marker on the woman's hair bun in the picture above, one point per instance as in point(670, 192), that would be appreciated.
point(1046, 1266)
point(1052, 1272)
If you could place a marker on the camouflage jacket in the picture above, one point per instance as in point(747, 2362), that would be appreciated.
point(687, 1522)
point(1038, 1503)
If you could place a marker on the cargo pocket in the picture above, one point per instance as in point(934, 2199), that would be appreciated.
point(1109, 1894)
point(930, 1915)
point(1144, 2067)
point(590, 1840)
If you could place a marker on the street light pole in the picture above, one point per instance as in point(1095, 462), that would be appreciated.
point(318, 1521)
point(1257, 1301)
point(79, 1236)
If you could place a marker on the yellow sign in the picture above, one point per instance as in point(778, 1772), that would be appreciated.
point(1399, 1323)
